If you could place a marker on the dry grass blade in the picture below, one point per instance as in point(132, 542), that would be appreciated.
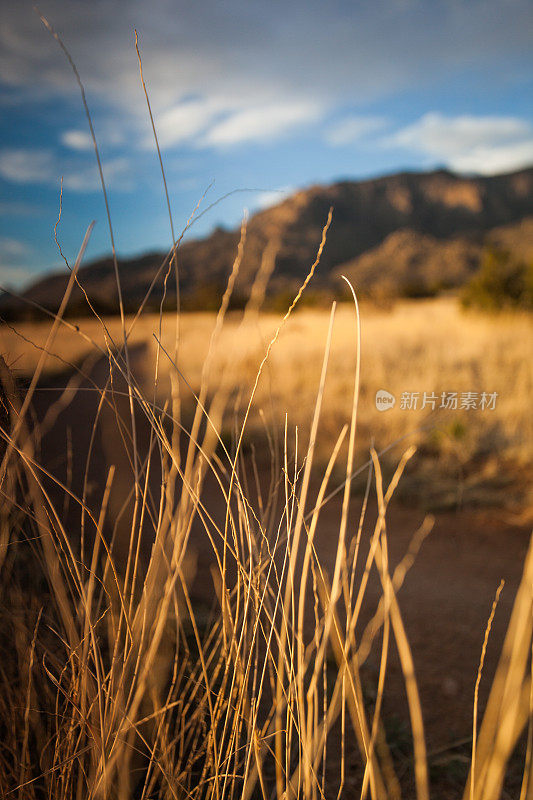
point(478, 681)
point(508, 707)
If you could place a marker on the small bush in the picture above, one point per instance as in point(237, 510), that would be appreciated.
point(501, 282)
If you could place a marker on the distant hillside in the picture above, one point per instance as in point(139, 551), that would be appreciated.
point(415, 264)
point(409, 232)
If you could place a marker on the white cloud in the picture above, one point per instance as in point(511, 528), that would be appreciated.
point(117, 174)
point(38, 167)
point(26, 166)
point(13, 255)
point(223, 121)
point(12, 248)
point(241, 55)
point(352, 129)
point(185, 121)
point(14, 277)
point(272, 197)
point(77, 140)
point(491, 160)
point(262, 123)
point(486, 145)
point(434, 133)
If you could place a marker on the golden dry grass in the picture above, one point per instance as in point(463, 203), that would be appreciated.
point(418, 346)
point(120, 687)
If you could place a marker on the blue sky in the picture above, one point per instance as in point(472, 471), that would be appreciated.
point(253, 98)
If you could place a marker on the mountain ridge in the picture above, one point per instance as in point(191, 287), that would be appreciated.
point(422, 229)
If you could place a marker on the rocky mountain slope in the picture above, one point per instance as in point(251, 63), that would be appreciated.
point(408, 232)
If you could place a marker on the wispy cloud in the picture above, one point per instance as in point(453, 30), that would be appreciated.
point(14, 255)
point(265, 77)
point(117, 173)
point(12, 248)
point(77, 140)
point(484, 144)
point(352, 129)
point(185, 121)
point(263, 123)
point(492, 159)
point(225, 121)
point(27, 166)
point(15, 277)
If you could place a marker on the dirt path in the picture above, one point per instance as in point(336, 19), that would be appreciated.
point(445, 601)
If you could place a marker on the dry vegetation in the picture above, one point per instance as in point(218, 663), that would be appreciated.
point(470, 457)
point(116, 684)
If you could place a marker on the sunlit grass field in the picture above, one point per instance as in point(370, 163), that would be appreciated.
point(417, 347)
point(118, 683)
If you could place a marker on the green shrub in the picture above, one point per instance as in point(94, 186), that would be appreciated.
point(501, 282)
